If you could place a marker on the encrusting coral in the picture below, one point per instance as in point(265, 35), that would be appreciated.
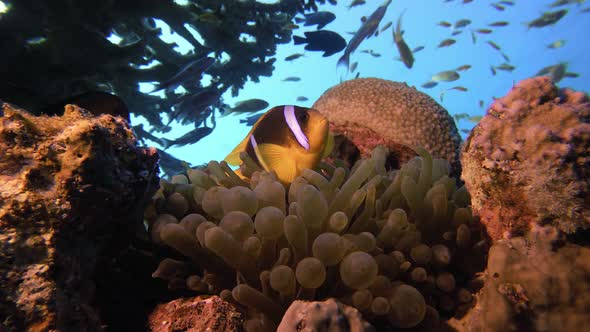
point(401, 246)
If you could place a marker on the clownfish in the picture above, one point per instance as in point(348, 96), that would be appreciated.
point(287, 139)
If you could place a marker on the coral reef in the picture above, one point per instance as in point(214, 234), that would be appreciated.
point(66, 184)
point(394, 114)
point(528, 160)
point(54, 50)
point(400, 246)
point(196, 314)
point(328, 315)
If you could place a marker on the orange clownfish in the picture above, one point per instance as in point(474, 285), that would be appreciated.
point(287, 139)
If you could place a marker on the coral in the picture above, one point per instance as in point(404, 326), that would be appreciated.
point(372, 111)
point(533, 283)
point(528, 160)
point(72, 192)
point(214, 315)
point(328, 315)
point(400, 246)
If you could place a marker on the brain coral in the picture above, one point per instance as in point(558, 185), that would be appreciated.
point(400, 246)
point(396, 112)
point(528, 160)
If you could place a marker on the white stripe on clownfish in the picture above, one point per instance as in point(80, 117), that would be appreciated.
point(291, 119)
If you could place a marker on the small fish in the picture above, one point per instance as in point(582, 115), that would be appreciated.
point(505, 56)
point(498, 6)
point(293, 56)
point(559, 3)
point(95, 102)
point(429, 84)
point(247, 106)
point(474, 118)
point(290, 26)
point(557, 72)
point(210, 18)
point(251, 120)
point(367, 51)
point(191, 137)
point(505, 67)
point(302, 98)
point(357, 75)
point(333, 2)
point(169, 164)
point(444, 24)
point(465, 131)
point(467, 1)
point(462, 23)
point(556, 44)
point(417, 49)
point(189, 71)
point(386, 26)
point(498, 24)
point(292, 79)
point(188, 105)
point(143, 134)
point(506, 2)
point(585, 10)
point(375, 54)
point(447, 42)
point(320, 19)
point(456, 32)
point(327, 41)
point(287, 139)
point(459, 88)
point(463, 68)
point(355, 3)
point(548, 18)
point(493, 70)
point(404, 50)
point(353, 66)
point(484, 31)
point(447, 76)
point(473, 37)
point(461, 116)
point(366, 30)
point(481, 104)
point(493, 45)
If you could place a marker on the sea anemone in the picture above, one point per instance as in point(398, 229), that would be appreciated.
point(401, 246)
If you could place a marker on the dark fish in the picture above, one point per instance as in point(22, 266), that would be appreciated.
point(429, 84)
point(404, 51)
point(463, 68)
point(318, 18)
point(302, 98)
point(248, 106)
point(473, 37)
point(333, 2)
point(191, 137)
point(548, 18)
point(465, 131)
point(353, 66)
point(467, 1)
point(506, 2)
point(556, 72)
point(493, 45)
point(323, 40)
point(446, 42)
point(481, 103)
point(498, 6)
point(462, 23)
point(559, 3)
point(251, 120)
point(493, 70)
point(444, 24)
point(505, 67)
point(505, 56)
point(366, 30)
point(292, 79)
point(571, 75)
point(461, 116)
point(95, 102)
point(474, 118)
point(143, 134)
point(375, 54)
point(556, 44)
point(192, 70)
point(499, 24)
point(188, 105)
point(357, 75)
point(417, 49)
point(171, 165)
point(459, 88)
point(293, 56)
point(355, 3)
point(210, 18)
point(585, 10)
point(484, 31)
point(456, 32)
point(386, 26)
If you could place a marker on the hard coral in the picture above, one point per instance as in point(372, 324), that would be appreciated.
point(66, 184)
point(528, 160)
point(400, 246)
point(394, 113)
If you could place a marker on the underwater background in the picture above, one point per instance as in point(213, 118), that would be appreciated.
point(526, 48)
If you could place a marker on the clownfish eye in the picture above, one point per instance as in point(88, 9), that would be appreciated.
point(302, 116)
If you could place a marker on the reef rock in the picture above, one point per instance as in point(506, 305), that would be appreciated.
point(528, 160)
point(71, 191)
point(196, 314)
point(373, 111)
point(329, 315)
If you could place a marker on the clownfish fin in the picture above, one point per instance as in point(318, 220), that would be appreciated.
point(278, 158)
point(329, 146)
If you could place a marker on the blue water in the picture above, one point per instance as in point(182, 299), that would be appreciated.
point(526, 48)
